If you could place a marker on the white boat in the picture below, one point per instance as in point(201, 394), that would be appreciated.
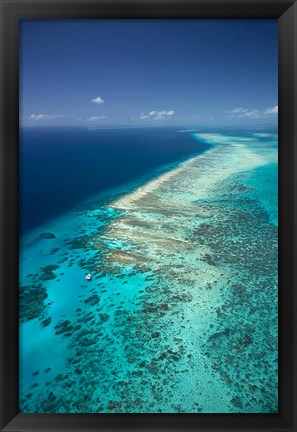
point(88, 276)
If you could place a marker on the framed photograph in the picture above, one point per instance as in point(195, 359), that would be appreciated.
point(148, 213)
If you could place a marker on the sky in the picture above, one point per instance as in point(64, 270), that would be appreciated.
point(148, 72)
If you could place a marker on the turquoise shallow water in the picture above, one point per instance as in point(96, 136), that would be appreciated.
point(181, 312)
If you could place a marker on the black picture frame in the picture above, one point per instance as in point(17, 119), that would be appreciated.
point(286, 13)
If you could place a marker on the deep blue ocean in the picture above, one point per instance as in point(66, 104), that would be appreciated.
point(61, 167)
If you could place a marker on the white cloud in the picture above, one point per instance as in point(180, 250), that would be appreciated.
point(37, 116)
point(273, 110)
point(251, 113)
point(98, 100)
point(237, 111)
point(47, 116)
point(244, 113)
point(97, 118)
point(157, 115)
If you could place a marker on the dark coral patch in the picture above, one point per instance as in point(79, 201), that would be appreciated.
point(46, 236)
point(31, 302)
point(47, 272)
point(93, 300)
point(63, 327)
point(46, 322)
